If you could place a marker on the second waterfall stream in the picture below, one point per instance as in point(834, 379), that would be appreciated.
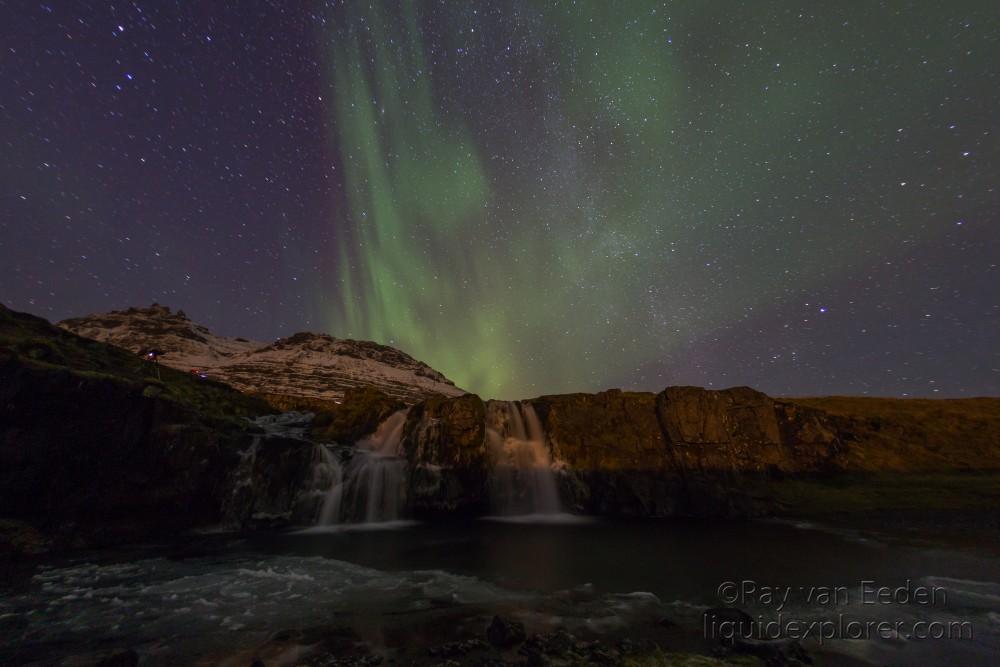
point(522, 481)
point(368, 482)
point(370, 487)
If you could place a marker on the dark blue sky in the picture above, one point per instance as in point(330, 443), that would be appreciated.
point(531, 197)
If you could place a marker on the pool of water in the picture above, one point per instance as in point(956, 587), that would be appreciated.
point(215, 595)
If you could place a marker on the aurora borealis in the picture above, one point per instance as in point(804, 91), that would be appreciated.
point(532, 197)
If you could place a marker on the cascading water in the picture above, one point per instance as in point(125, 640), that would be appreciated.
point(328, 469)
point(371, 486)
point(522, 481)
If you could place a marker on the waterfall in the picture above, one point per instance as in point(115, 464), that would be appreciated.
point(371, 486)
point(328, 468)
point(522, 481)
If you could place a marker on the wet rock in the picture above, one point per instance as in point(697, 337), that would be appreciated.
point(445, 443)
point(598, 655)
point(504, 632)
point(559, 642)
point(534, 655)
point(627, 647)
point(458, 649)
point(558, 647)
point(270, 483)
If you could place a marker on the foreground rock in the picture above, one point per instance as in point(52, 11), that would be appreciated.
point(95, 448)
point(505, 632)
point(448, 639)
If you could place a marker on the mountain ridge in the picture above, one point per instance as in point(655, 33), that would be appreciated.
point(305, 365)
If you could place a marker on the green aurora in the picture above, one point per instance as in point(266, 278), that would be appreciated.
point(554, 197)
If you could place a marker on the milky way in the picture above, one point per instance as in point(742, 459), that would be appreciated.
point(531, 197)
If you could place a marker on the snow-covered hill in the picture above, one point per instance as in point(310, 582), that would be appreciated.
point(307, 365)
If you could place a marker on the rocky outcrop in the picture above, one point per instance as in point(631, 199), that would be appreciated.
point(741, 430)
point(685, 450)
point(444, 440)
point(358, 415)
point(611, 430)
point(305, 365)
point(269, 487)
point(97, 446)
point(92, 456)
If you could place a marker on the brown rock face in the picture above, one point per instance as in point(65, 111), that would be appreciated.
point(444, 440)
point(612, 430)
point(731, 430)
point(685, 450)
point(447, 431)
point(360, 413)
point(687, 430)
point(741, 430)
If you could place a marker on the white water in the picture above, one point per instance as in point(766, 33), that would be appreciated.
point(371, 487)
point(329, 468)
point(286, 424)
point(523, 481)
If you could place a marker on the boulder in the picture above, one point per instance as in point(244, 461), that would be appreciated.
point(505, 632)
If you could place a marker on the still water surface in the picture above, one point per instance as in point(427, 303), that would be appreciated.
point(211, 594)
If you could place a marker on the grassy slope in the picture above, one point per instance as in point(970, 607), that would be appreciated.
point(919, 435)
point(35, 343)
point(911, 455)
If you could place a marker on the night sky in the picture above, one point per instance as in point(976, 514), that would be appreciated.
point(531, 197)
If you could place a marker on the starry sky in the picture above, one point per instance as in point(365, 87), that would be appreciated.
point(532, 197)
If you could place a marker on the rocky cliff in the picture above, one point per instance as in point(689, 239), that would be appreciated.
point(692, 451)
point(291, 372)
point(97, 444)
point(99, 447)
point(685, 450)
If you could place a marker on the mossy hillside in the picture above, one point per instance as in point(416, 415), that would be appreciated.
point(35, 343)
point(360, 413)
point(857, 493)
point(916, 435)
